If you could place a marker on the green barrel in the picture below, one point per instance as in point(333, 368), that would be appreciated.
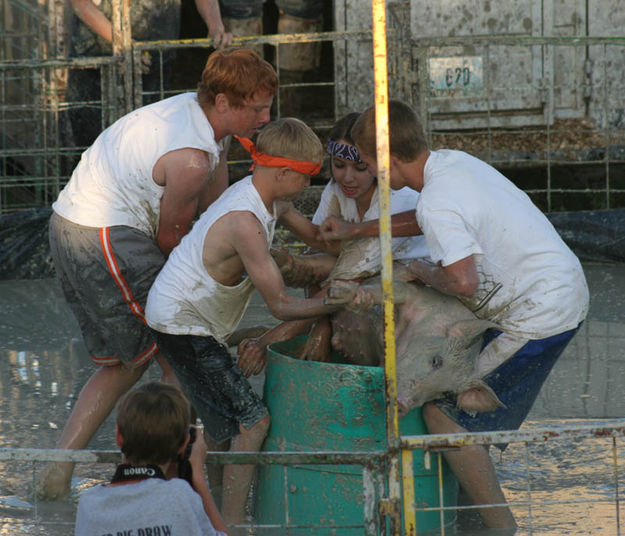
point(328, 406)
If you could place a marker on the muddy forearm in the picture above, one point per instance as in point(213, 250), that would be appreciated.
point(290, 308)
point(91, 15)
point(286, 330)
point(403, 224)
point(458, 279)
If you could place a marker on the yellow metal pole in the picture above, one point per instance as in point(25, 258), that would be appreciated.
point(383, 159)
point(410, 518)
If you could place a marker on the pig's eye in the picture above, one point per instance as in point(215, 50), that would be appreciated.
point(437, 362)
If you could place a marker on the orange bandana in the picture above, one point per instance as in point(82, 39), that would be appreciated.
point(262, 159)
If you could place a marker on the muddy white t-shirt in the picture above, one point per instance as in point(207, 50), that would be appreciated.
point(152, 506)
point(113, 185)
point(334, 202)
point(531, 283)
point(185, 299)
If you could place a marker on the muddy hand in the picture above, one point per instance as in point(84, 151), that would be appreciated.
point(350, 295)
point(251, 357)
point(334, 228)
point(221, 38)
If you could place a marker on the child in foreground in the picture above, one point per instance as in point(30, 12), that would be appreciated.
point(146, 494)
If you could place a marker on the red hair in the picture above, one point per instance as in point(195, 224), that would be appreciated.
point(238, 74)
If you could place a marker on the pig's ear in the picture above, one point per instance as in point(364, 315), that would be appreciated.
point(465, 332)
point(479, 397)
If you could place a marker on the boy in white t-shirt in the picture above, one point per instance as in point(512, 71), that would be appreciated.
point(147, 495)
point(495, 251)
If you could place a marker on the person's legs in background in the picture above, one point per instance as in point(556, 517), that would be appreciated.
point(243, 18)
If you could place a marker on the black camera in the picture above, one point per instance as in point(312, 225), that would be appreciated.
point(184, 466)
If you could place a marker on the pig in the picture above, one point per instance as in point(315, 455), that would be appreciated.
point(437, 342)
point(437, 338)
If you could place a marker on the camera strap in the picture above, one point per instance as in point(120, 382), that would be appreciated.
point(126, 472)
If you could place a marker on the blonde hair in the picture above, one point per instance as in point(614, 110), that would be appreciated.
point(153, 421)
point(290, 138)
point(406, 136)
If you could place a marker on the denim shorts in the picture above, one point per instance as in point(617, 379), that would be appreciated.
point(221, 395)
point(517, 382)
point(247, 9)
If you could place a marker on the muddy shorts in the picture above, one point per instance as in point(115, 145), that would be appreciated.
point(106, 274)
point(245, 9)
point(221, 395)
point(517, 382)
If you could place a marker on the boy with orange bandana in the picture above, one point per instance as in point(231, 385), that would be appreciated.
point(205, 286)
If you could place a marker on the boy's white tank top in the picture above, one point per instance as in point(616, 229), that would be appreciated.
point(185, 299)
point(113, 185)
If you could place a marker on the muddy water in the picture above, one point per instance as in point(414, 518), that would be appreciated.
point(43, 365)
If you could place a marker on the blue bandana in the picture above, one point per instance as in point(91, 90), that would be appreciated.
point(347, 152)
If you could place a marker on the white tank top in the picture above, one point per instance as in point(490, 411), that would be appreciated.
point(113, 185)
point(185, 299)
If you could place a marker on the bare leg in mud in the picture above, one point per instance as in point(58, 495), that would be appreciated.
point(475, 472)
point(95, 402)
point(237, 479)
point(215, 471)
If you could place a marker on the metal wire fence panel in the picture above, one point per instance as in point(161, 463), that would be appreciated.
point(558, 479)
point(545, 109)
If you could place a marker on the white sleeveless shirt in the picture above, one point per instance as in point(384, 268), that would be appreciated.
point(113, 185)
point(185, 299)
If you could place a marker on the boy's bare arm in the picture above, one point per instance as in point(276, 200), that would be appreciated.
point(249, 241)
point(402, 224)
point(211, 15)
point(185, 174)
point(306, 230)
point(457, 279)
point(88, 12)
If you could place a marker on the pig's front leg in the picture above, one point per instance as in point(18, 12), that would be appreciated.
point(317, 346)
point(300, 271)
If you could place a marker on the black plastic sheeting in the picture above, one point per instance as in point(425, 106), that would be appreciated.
point(597, 235)
point(594, 235)
point(24, 248)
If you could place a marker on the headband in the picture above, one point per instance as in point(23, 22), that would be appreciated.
point(342, 150)
point(267, 160)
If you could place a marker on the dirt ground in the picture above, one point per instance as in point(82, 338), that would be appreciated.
point(567, 139)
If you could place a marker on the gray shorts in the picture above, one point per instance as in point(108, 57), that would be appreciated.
point(106, 274)
point(221, 395)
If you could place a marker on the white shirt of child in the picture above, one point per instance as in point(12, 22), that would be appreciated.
point(403, 248)
point(531, 283)
point(184, 298)
point(151, 506)
point(113, 185)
